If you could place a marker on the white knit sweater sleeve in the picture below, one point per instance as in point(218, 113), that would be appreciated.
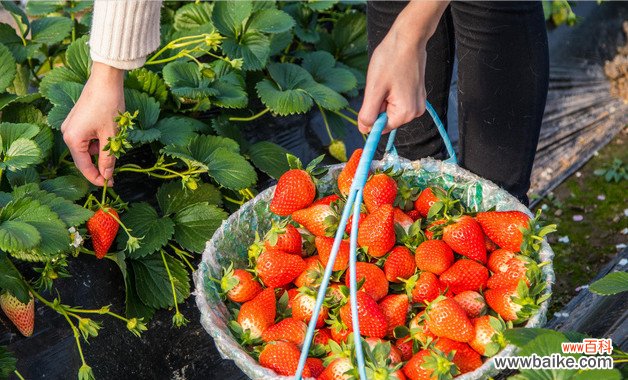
point(124, 32)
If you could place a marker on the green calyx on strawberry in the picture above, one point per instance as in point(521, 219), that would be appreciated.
point(285, 237)
point(379, 365)
point(517, 304)
point(406, 194)
point(412, 237)
point(238, 285)
point(118, 144)
point(489, 335)
point(534, 235)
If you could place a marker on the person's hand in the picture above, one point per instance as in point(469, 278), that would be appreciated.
point(395, 78)
point(91, 122)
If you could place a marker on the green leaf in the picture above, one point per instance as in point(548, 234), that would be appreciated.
point(78, 59)
point(597, 374)
point(326, 97)
point(23, 176)
point(23, 113)
point(231, 91)
point(43, 8)
point(229, 16)
point(269, 158)
point(280, 41)
point(21, 154)
point(271, 21)
point(322, 66)
point(253, 47)
point(69, 187)
point(185, 80)
point(69, 212)
point(18, 236)
point(179, 130)
point(7, 62)
point(145, 223)
point(152, 283)
point(7, 363)
point(201, 148)
point(8, 99)
point(230, 169)
point(10, 132)
point(193, 15)
point(13, 42)
point(50, 30)
point(12, 280)
point(135, 308)
point(195, 225)
point(522, 336)
point(63, 96)
point(147, 107)
point(139, 136)
point(21, 18)
point(613, 283)
point(287, 94)
point(172, 197)
point(58, 75)
point(147, 82)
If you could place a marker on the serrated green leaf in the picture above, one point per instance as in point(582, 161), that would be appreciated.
point(195, 225)
point(279, 42)
point(23, 176)
point(44, 141)
point(18, 236)
point(23, 113)
point(10, 132)
point(78, 59)
point(613, 283)
point(145, 223)
point(253, 47)
point(7, 62)
point(152, 283)
point(326, 97)
point(230, 169)
point(43, 8)
point(147, 107)
point(139, 136)
point(50, 30)
point(230, 87)
point(21, 154)
point(69, 212)
point(55, 237)
point(179, 130)
point(271, 21)
point(306, 22)
point(12, 280)
point(63, 96)
point(69, 187)
point(229, 16)
point(269, 158)
point(135, 308)
point(7, 363)
point(320, 5)
point(322, 66)
point(13, 42)
point(172, 197)
point(287, 94)
point(201, 148)
point(147, 82)
point(185, 80)
point(58, 75)
point(193, 15)
point(21, 18)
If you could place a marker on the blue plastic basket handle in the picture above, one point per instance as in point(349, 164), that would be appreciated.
point(354, 201)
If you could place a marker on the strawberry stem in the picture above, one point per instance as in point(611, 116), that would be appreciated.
point(104, 193)
point(331, 137)
point(183, 256)
point(18, 374)
point(347, 118)
point(178, 319)
point(250, 118)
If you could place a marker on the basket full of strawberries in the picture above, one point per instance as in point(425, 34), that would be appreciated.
point(446, 262)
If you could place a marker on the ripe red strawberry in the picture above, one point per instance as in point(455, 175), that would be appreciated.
point(419, 330)
point(317, 219)
point(375, 282)
point(395, 308)
point(399, 264)
point(489, 338)
point(377, 231)
point(431, 229)
point(276, 268)
point(239, 285)
point(379, 190)
point(405, 346)
point(498, 259)
point(284, 238)
point(489, 244)
point(373, 322)
point(312, 274)
point(303, 307)
point(283, 358)
point(503, 227)
point(21, 314)
point(414, 214)
point(326, 200)
point(324, 245)
point(465, 275)
point(465, 237)
point(103, 227)
point(316, 366)
point(425, 201)
point(339, 332)
point(501, 300)
point(445, 318)
point(350, 222)
point(337, 370)
point(289, 330)
point(402, 219)
point(295, 191)
point(424, 287)
point(434, 256)
point(516, 269)
point(465, 358)
point(472, 302)
point(322, 336)
point(259, 313)
point(429, 365)
point(345, 178)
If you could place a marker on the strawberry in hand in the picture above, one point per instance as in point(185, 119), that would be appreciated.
point(103, 227)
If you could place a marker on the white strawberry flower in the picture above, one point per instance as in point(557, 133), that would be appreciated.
point(77, 239)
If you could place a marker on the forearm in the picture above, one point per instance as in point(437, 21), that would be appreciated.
point(124, 32)
point(418, 21)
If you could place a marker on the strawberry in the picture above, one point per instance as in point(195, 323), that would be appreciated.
point(338, 369)
point(372, 320)
point(239, 285)
point(423, 287)
point(336, 294)
point(277, 268)
point(428, 365)
point(289, 330)
point(377, 232)
point(472, 302)
point(350, 222)
point(283, 358)
point(21, 314)
point(317, 219)
point(434, 229)
point(345, 178)
point(322, 336)
point(489, 244)
point(312, 274)
point(465, 275)
point(516, 269)
point(465, 358)
point(395, 308)
point(425, 201)
point(103, 227)
point(445, 318)
point(502, 301)
point(402, 219)
point(504, 227)
point(339, 330)
point(324, 245)
point(498, 259)
point(465, 237)
point(399, 264)
point(414, 214)
point(394, 356)
point(315, 365)
point(419, 330)
point(489, 338)
point(259, 313)
point(295, 190)
point(284, 238)
point(303, 307)
point(375, 282)
point(405, 346)
point(379, 190)
point(328, 200)
point(434, 256)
